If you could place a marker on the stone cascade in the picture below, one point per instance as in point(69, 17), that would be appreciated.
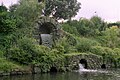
point(47, 31)
point(46, 40)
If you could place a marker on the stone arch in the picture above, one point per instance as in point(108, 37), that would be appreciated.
point(84, 63)
point(47, 27)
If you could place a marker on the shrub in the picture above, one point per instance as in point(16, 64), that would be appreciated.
point(7, 66)
point(54, 58)
point(1, 54)
point(66, 44)
point(27, 51)
point(107, 53)
point(84, 44)
point(70, 29)
point(110, 37)
point(117, 52)
point(99, 50)
point(117, 56)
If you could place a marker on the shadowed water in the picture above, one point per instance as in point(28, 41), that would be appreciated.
point(81, 74)
point(110, 75)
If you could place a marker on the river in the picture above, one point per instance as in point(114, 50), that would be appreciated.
point(75, 75)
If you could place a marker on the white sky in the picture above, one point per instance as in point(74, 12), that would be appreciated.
point(8, 2)
point(109, 10)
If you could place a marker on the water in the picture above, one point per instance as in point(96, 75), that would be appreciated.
point(81, 74)
point(46, 39)
point(82, 69)
point(112, 75)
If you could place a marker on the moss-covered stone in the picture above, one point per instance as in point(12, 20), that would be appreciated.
point(93, 61)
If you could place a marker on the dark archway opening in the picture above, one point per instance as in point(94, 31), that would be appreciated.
point(45, 29)
point(40, 0)
point(53, 69)
point(84, 63)
point(103, 66)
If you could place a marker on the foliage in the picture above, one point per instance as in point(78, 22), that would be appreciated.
point(7, 23)
point(86, 27)
point(67, 43)
point(26, 12)
point(70, 29)
point(61, 9)
point(18, 44)
point(1, 54)
point(106, 53)
point(110, 37)
point(85, 45)
point(54, 58)
point(98, 50)
point(117, 56)
point(26, 52)
point(7, 66)
point(3, 8)
point(99, 24)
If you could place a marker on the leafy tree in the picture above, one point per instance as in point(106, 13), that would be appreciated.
point(85, 27)
point(70, 28)
point(26, 12)
point(7, 24)
point(61, 9)
point(3, 8)
point(110, 37)
point(99, 24)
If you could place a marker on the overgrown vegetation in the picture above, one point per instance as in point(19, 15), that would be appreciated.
point(96, 36)
point(17, 43)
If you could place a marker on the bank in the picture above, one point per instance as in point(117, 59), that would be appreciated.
point(67, 63)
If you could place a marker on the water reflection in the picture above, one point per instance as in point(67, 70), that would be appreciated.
point(112, 75)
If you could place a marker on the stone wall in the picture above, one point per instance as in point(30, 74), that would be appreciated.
point(49, 26)
point(93, 61)
point(71, 62)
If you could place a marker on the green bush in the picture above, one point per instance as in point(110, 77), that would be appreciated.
point(110, 37)
point(117, 52)
point(27, 51)
point(70, 29)
point(66, 44)
point(54, 58)
point(7, 66)
point(85, 45)
point(99, 50)
point(117, 56)
point(107, 53)
point(1, 54)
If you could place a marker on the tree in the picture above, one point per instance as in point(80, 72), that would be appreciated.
point(70, 28)
point(61, 9)
point(85, 27)
point(26, 12)
point(110, 37)
point(7, 24)
point(27, 9)
point(99, 24)
point(3, 8)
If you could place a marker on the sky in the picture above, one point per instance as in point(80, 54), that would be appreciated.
point(8, 2)
point(108, 10)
